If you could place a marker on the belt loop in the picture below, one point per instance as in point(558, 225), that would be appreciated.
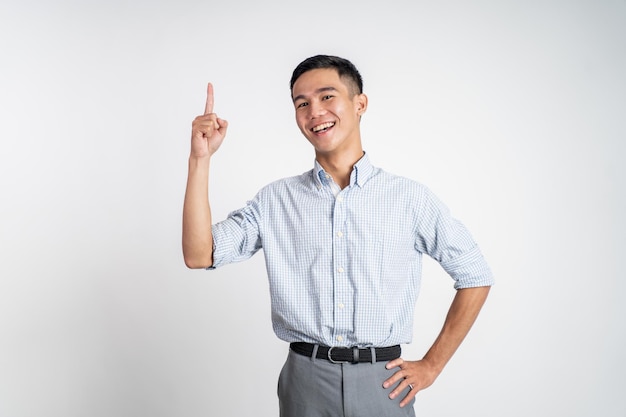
point(355, 355)
point(373, 350)
point(314, 354)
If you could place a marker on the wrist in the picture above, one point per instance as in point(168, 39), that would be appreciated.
point(195, 160)
point(435, 366)
point(199, 166)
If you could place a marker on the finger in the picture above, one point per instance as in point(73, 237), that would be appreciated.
point(223, 124)
point(205, 122)
point(404, 385)
point(208, 108)
point(398, 376)
point(409, 396)
point(394, 363)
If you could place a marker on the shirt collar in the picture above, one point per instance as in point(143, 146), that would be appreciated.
point(361, 172)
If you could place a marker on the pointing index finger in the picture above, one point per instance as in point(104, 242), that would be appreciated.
point(208, 108)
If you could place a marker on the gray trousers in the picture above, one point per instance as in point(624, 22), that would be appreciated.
point(309, 387)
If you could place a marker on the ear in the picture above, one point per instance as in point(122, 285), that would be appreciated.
point(360, 102)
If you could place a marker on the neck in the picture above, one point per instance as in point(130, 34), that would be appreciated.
point(339, 166)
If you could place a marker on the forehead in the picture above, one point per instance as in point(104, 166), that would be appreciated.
point(312, 81)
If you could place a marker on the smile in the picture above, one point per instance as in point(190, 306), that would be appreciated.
point(323, 127)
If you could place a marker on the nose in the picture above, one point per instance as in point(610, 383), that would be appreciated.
point(316, 109)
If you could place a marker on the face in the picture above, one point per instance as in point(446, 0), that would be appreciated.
point(327, 113)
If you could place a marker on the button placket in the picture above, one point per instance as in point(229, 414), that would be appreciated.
point(342, 316)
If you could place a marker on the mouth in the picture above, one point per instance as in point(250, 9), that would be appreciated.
point(322, 127)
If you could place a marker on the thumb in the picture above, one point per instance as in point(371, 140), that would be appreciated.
point(223, 125)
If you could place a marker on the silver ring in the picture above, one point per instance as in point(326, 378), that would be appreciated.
point(411, 386)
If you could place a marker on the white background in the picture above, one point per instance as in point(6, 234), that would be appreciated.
point(512, 112)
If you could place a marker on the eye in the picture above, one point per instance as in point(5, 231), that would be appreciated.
point(327, 97)
point(302, 104)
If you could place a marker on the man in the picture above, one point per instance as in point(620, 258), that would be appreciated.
point(343, 246)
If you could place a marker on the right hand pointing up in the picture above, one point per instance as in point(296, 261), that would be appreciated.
point(207, 131)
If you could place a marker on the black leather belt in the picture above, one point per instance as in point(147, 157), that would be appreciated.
point(347, 355)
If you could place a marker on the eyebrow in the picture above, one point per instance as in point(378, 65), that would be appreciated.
point(318, 91)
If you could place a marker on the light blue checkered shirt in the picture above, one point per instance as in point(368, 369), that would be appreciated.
point(344, 267)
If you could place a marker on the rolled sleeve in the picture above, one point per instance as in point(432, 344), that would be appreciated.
point(237, 237)
point(448, 241)
point(469, 270)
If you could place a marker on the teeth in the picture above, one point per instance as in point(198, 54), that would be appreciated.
point(323, 126)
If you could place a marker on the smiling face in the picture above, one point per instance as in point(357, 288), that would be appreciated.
point(328, 112)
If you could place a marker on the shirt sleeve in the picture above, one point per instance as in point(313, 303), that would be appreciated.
point(237, 237)
point(448, 241)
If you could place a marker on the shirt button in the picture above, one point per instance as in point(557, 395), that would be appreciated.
point(339, 338)
point(340, 269)
point(340, 199)
point(339, 234)
point(341, 305)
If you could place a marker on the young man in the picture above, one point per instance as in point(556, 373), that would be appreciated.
point(343, 246)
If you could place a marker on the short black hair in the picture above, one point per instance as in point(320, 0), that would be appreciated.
point(344, 68)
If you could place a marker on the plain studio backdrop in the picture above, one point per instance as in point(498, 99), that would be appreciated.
point(511, 112)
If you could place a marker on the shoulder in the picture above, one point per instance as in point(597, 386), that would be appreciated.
point(287, 184)
point(399, 185)
point(408, 195)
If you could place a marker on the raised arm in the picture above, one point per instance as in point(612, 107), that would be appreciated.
point(207, 134)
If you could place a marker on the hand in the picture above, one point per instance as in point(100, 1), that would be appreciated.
point(207, 131)
point(416, 375)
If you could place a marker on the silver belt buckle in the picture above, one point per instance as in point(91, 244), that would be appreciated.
point(330, 358)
